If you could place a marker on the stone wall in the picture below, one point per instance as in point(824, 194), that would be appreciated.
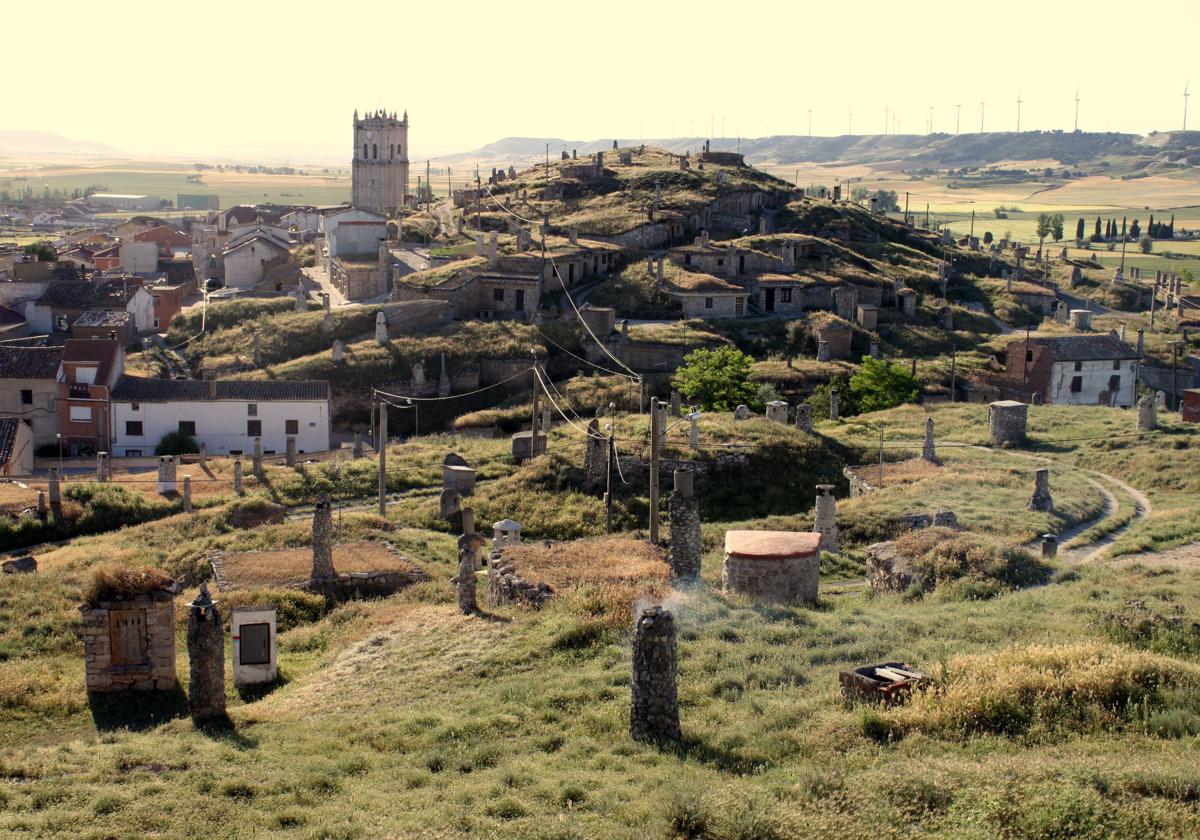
point(152, 619)
point(359, 585)
point(783, 580)
point(654, 702)
point(506, 586)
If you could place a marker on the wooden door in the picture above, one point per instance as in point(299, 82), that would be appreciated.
point(127, 634)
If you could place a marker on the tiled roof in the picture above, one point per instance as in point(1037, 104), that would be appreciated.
point(1086, 348)
point(103, 318)
point(102, 351)
point(29, 362)
point(8, 436)
point(139, 389)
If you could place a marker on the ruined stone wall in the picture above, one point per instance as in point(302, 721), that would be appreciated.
point(506, 586)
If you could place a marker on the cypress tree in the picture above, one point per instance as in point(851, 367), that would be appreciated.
point(1150, 228)
point(1171, 228)
point(1079, 230)
point(1096, 235)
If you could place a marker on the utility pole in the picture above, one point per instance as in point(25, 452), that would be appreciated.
point(881, 456)
point(1077, 109)
point(1124, 239)
point(1018, 112)
point(655, 458)
point(533, 413)
point(608, 487)
point(1175, 373)
point(927, 217)
point(972, 234)
point(478, 213)
point(905, 208)
point(953, 370)
point(810, 123)
point(382, 458)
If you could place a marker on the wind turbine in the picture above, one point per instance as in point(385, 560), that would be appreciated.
point(1077, 108)
point(930, 119)
point(810, 122)
point(982, 112)
point(1018, 112)
point(850, 121)
point(957, 116)
point(885, 117)
point(1185, 98)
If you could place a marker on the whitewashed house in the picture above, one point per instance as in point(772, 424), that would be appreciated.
point(225, 415)
point(1075, 370)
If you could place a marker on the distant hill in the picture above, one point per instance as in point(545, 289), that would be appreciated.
point(933, 150)
point(49, 143)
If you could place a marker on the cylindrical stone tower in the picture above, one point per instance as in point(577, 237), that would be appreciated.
point(322, 540)
point(654, 707)
point(825, 518)
point(685, 529)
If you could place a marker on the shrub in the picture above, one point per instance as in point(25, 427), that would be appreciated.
point(717, 379)
point(120, 583)
point(940, 556)
point(176, 443)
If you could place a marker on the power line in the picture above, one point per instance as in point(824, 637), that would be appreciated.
point(380, 393)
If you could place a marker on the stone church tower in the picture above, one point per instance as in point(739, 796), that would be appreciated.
point(380, 172)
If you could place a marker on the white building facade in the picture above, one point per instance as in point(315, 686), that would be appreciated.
point(226, 416)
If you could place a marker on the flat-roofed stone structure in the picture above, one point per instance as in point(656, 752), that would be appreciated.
point(129, 644)
point(780, 566)
point(1007, 421)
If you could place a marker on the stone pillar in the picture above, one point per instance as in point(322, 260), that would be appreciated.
point(928, 452)
point(206, 655)
point(825, 518)
point(291, 451)
point(1041, 501)
point(822, 351)
point(833, 404)
point(804, 417)
point(55, 488)
point(685, 529)
point(328, 323)
point(777, 412)
point(1160, 403)
point(694, 432)
point(381, 330)
point(1147, 414)
point(101, 466)
point(41, 506)
point(325, 301)
point(464, 581)
point(661, 275)
point(674, 403)
point(203, 456)
point(492, 257)
point(322, 539)
point(654, 706)
point(1007, 420)
point(546, 418)
point(167, 465)
point(337, 352)
point(479, 244)
point(357, 451)
point(256, 462)
point(1049, 546)
point(187, 494)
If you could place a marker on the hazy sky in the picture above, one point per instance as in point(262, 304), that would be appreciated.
point(280, 80)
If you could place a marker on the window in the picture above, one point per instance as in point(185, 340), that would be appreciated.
point(85, 375)
point(133, 428)
point(26, 396)
point(1076, 384)
point(1079, 366)
point(785, 295)
point(1029, 355)
point(133, 453)
point(251, 409)
point(498, 295)
point(134, 406)
point(291, 427)
point(254, 644)
point(739, 306)
point(81, 414)
point(374, 151)
point(187, 427)
point(708, 303)
point(127, 636)
point(720, 262)
point(60, 323)
point(254, 428)
point(1117, 365)
point(687, 259)
point(1114, 383)
point(364, 151)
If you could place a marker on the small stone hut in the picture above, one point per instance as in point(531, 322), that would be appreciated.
point(129, 639)
point(780, 566)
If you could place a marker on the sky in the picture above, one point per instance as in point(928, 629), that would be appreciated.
point(277, 81)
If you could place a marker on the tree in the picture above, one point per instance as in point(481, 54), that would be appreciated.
point(1171, 228)
point(44, 251)
point(1135, 230)
point(987, 237)
point(1080, 230)
point(880, 384)
point(1096, 236)
point(176, 443)
point(1146, 244)
point(1056, 227)
point(1045, 223)
point(717, 380)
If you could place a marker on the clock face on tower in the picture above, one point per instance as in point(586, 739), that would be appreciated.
point(370, 135)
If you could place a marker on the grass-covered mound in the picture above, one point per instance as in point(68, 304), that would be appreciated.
point(972, 564)
point(120, 583)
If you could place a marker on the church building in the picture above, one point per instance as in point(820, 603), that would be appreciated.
point(380, 170)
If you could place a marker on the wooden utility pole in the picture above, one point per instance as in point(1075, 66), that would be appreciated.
point(953, 370)
point(881, 456)
point(533, 414)
point(655, 457)
point(608, 487)
point(383, 458)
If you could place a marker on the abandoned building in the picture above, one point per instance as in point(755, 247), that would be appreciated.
point(129, 643)
point(1074, 370)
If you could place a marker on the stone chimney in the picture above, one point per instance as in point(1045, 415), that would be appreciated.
point(206, 655)
point(291, 451)
point(381, 329)
point(1041, 501)
point(825, 520)
point(654, 706)
point(322, 540)
point(237, 477)
point(928, 453)
point(492, 243)
point(685, 529)
point(256, 464)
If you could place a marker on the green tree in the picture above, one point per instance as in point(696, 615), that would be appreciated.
point(44, 251)
point(1096, 237)
point(1056, 227)
point(1146, 244)
point(1135, 230)
point(1080, 230)
point(176, 443)
point(717, 380)
point(880, 384)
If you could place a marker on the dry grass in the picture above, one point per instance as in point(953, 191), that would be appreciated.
point(16, 497)
point(1087, 686)
point(114, 583)
point(292, 566)
point(607, 574)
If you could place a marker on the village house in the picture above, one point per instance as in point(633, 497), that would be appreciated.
point(249, 257)
point(90, 368)
point(104, 323)
point(12, 324)
point(16, 447)
point(64, 301)
point(1074, 370)
point(354, 252)
point(170, 242)
point(29, 388)
point(227, 416)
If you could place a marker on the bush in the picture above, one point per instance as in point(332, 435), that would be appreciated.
point(719, 380)
point(879, 384)
point(176, 443)
point(980, 567)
